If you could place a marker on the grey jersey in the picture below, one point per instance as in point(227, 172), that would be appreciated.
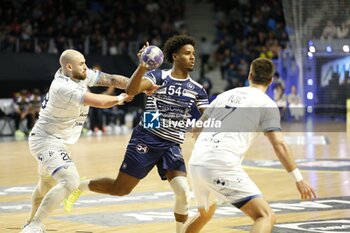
point(63, 113)
point(244, 113)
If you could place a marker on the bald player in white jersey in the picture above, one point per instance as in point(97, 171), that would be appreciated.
point(215, 164)
point(61, 118)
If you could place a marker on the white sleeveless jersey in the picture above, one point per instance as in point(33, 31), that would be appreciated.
point(244, 113)
point(63, 113)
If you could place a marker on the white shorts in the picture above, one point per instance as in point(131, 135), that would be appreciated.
point(228, 186)
point(52, 155)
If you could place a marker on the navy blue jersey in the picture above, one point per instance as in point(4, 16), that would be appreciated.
point(173, 100)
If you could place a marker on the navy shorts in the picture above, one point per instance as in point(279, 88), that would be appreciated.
point(145, 150)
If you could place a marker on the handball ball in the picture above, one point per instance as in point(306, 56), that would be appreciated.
point(152, 56)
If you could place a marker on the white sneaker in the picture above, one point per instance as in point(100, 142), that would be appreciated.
point(34, 228)
point(125, 129)
point(108, 130)
point(19, 134)
point(90, 133)
point(117, 130)
point(99, 133)
point(25, 225)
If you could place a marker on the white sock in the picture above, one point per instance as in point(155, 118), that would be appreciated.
point(44, 185)
point(67, 181)
point(179, 227)
point(50, 202)
point(84, 185)
point(36, 201)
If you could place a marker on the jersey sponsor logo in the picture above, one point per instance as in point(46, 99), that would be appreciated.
point(151, 120)
point(141, 148)
point(304, 164)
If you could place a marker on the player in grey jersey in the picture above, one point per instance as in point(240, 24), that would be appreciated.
point(215, 165)
point(61, 118)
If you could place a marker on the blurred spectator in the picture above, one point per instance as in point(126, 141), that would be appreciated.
point(329, 31)
point(95, 114)
point(23, 112)
point(232, 77)
point(204, 52)
point(206, 83)
point(266, 53)
point(97, 27)
point(224, 62)
point(109, 120)
point(248, 29)
point(115, 120)
point(295, 105)
point(113, 49)
point(281, 100)
point(277, 81)
point(35, 101)
point(342, 31)
point(243, 68)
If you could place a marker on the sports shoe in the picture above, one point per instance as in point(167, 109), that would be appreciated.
point(19, 134)
point(33, 228)
point(72, 198)
point(89, 133)
point(25, 225)
point(99, 133)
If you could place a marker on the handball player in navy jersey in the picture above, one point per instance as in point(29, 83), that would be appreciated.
point(157, 140)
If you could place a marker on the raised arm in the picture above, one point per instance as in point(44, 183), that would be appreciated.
point(114, 80)
point(285, 156)
point(137, 83)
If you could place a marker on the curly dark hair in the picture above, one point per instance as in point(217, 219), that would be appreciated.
point(174, 43)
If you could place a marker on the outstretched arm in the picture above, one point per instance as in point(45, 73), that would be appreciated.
point(115, 80)
point(105, 101)
point(285, 156)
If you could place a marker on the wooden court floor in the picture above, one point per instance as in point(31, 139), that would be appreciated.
point(322, 156)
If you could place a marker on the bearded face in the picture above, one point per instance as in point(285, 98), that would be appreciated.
point(79, 75)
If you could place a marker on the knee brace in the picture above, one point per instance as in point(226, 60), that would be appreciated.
point(182, 194)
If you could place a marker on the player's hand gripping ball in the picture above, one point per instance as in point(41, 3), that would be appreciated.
point(152, 56)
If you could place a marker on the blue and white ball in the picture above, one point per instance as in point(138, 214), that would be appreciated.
point(152, 56)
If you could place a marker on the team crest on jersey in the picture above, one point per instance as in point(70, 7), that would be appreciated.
point(151, 120)
point(190, 86)
point(141, 148)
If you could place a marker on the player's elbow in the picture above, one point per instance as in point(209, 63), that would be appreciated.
point(129, 91)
